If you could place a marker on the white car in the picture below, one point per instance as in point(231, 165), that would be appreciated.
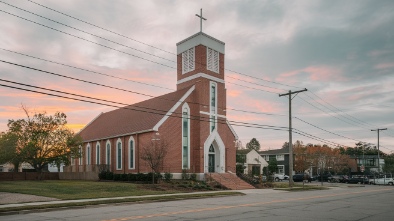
point(381, 181)
point(279, 177)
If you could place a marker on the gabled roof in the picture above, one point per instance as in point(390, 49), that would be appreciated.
point(283, 150)
point(243, 151)
point(136, 118)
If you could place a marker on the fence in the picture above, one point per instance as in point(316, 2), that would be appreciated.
point(7, 176)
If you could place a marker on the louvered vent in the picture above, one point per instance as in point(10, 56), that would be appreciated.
point(212, 60)
point(188, 61)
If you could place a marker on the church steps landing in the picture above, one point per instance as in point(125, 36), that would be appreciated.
point(230, 181)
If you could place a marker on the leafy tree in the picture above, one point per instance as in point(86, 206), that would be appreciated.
point(389, 163)
point(253, 145)
point(272, 165)
point(8, 151)
point(43, 139)
point(153, 154)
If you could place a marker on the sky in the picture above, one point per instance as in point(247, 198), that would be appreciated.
point(342, 52)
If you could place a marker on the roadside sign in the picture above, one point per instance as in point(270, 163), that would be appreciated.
point(362, 168)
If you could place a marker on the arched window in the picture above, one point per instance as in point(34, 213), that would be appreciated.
point(108, 154)
point(131, 153)
point(119, 154)
point(211, 149)
point(98, 153)
point(88, 155)
point(185, 136)
point(213, 106)
point(80, 155)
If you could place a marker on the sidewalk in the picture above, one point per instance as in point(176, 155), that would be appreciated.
point(15, 205)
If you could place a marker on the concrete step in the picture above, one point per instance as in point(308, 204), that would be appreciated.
point(230, 181)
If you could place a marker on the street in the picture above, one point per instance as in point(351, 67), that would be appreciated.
point(343, 202)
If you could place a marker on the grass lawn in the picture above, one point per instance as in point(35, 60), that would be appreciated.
point(72, 189)
point(297, 187)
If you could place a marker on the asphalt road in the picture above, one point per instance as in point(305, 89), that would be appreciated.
point(338, 203)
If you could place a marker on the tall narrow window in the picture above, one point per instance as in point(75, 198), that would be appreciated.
point(212, 60)
point(213, 109)
point(108, 154)
point(119, 155)
point(80, 155)
point(188, 61)
point(88, 155)
point(131, 153)
point(185, 136)
point(97, 153)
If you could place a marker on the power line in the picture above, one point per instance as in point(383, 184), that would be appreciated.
point(326, 130)
point(243, 124)
point(87, 32)
point(119, 50)
point(83, 69)
point(120, 89)
point(100, 27)
point(332, 109)
point(327, 112)
point(89, 40)
point(89, 23)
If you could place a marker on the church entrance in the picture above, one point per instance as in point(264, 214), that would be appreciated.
point(211, 159)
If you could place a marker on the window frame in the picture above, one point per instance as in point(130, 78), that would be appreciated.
point(108, 158)
point(88, 155)
point(185, 108)
point(119, 155)
point(131, 139)
point(98, 153)
point(188, 58)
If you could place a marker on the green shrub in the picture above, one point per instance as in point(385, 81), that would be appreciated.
point(185, 175)
point(103, 175)
point(109, 176)
point(193, 177)
point(168, 176)
point(117, 177)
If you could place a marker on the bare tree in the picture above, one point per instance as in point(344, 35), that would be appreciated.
point(153, 154)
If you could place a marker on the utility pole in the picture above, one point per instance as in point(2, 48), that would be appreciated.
point(378, 147)
point(291, 181)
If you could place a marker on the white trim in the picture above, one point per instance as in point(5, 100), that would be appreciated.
point(117, 154)
point(220, 152)
point(131, 166)
point(213, 111)
point(88, 154)
point(185, 105)
point(200, 38)
point(232, 130)
point(80, 155)
point(121, 135)
point(194, 76)
point(207, 113)
point(98, 153)
point(284, 172)
point(177, 104)
point(108, 160)
point(89, 123)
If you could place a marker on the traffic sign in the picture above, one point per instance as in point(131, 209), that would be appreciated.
point(362, 168)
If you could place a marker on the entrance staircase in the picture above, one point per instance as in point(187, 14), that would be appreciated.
point(229, 180)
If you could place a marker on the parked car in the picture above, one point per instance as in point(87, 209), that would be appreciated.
point(324, 177)
point(338, 178)
point(301, 177)
point(358, 179)
point(278, 177)
point(381, 181)
point(286, 177)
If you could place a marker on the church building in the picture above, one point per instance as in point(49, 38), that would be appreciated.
point(191, 121)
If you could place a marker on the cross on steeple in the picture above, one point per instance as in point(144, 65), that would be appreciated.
point(201, 18)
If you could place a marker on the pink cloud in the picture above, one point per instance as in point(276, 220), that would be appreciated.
point(384, 66)
point(315, 73)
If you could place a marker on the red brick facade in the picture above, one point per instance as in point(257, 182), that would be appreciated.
point(195, 91)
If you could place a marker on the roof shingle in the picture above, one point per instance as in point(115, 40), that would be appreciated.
point(130, 119)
